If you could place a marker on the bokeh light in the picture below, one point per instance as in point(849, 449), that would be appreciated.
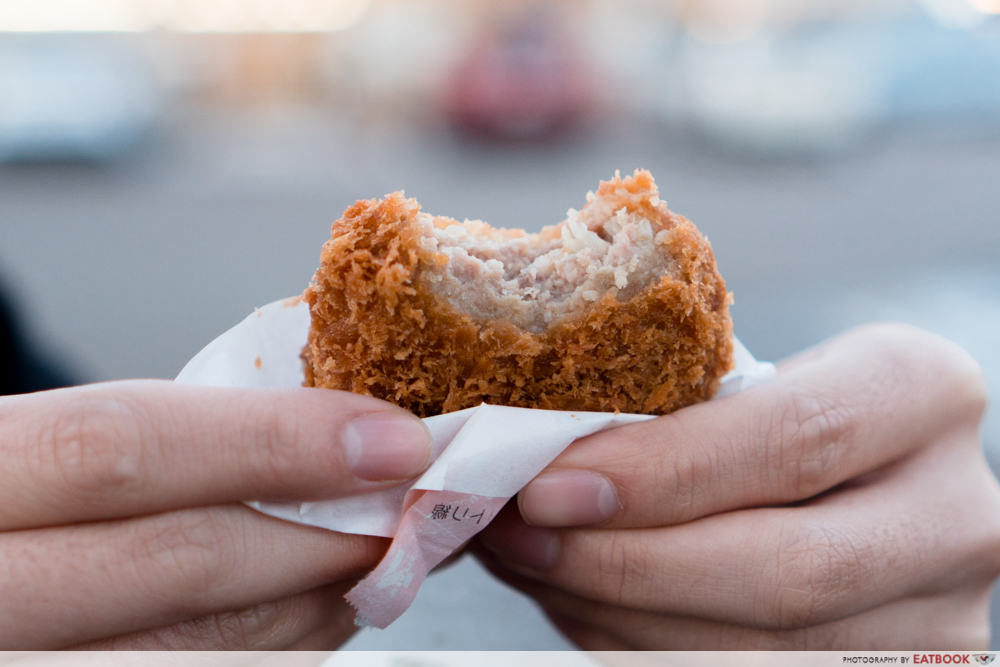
point(76, 15)
point(222, 16)
point(262, 15)
point(986, 6)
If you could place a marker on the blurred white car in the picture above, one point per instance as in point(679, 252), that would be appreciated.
point(823, 89)
point(70, 97)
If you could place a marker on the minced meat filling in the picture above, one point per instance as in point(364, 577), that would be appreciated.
point(534, 280)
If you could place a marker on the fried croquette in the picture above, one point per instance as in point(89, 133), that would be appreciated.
point(617, 308)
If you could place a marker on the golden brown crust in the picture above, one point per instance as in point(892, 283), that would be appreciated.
point(378, 329)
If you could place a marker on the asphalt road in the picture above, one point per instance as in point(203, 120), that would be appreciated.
point(128, 269)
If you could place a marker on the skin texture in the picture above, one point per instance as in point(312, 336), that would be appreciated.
point(845, 505)
point(121, 528)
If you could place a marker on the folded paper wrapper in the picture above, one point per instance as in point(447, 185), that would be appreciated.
point(481, 457)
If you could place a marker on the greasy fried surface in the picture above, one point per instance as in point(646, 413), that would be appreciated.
point(379, 326)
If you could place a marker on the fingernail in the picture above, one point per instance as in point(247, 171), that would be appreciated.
point(568, 498)
point(380, 446)
point(535, 548)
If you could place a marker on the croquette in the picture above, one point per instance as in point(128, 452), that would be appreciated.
point(619, 307)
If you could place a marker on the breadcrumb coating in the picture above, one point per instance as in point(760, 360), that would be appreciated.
point(617, 308)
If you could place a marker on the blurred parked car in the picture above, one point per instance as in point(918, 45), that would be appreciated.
point(519, 81)
point(67, 97)
point(821, 89)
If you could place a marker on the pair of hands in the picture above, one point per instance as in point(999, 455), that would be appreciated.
point(845, 504)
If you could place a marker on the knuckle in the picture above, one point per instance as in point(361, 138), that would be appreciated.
point(275, 433)
point(679, 482)
point(826, 637)
point(982, 524)
point(817, 568)
point(975, 635)
point(964, 379)
point(963, 617)
point(947, 366)
point(649, 473)
point(753, 639)
point(805, 441)
point(621, 569)
point(978, 635)
point(678, 477)
point(257, 628)
point(182, 556)
point(246, 630)
point(91, 445)
point(675, 476)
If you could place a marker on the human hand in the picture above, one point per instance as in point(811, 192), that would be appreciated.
point(121, 524)
point(845, 505)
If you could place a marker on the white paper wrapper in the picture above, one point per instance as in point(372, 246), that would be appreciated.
point(481, 458)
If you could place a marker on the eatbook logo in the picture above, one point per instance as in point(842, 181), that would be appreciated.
point(985, 658)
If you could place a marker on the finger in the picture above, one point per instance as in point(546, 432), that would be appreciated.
point(957, 619)
point(277, 625)
point(782, 568)
point(68, 585)
point(588, 637)
point(331, 636)
point(853, 405)
point(127, 448)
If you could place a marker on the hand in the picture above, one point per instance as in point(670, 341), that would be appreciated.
point(845, 505)
point(121, 526)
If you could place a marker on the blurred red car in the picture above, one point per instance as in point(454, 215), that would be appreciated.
point(519, 82)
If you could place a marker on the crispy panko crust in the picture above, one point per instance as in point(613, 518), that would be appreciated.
point(378, 329)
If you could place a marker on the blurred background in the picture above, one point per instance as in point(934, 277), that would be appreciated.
point(167, 165)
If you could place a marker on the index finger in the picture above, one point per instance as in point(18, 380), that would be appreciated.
point(845, 408)
point(128, 448)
